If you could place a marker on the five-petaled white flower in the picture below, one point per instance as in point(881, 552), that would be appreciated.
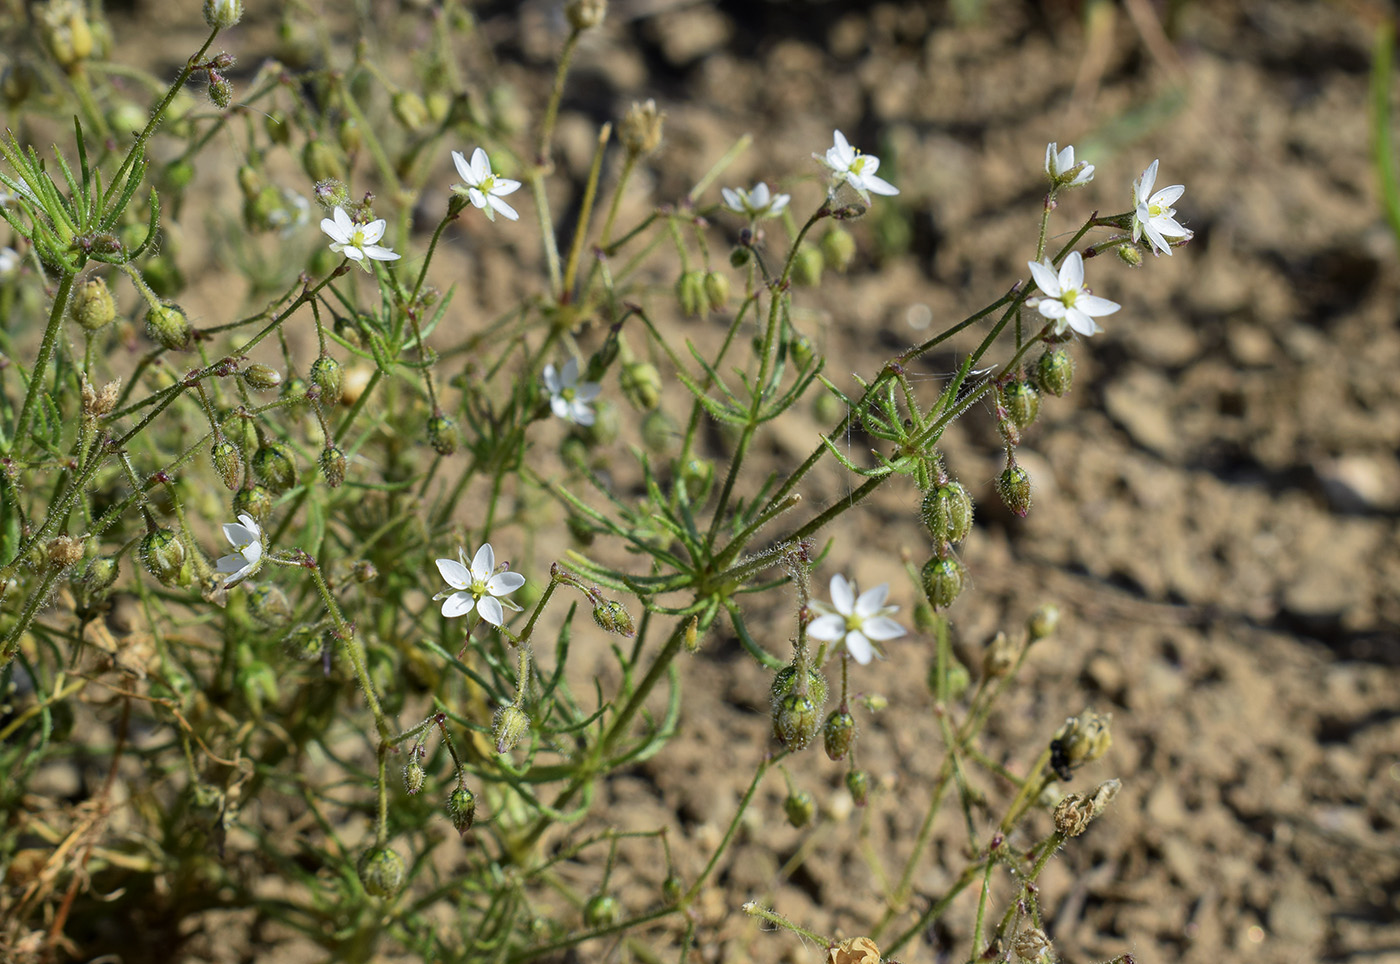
point(1059, 164)
point(246, 538)
point(483, 188)
point(1153, 214)
point(859, 622)
point(856, 169)
point(1066, 299)
point(355, 240)
point(568, 398)
point(478, 585)
point(758, 203)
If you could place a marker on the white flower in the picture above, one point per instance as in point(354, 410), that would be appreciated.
point(1059, 164)
point(478, 586)
point(1066, 299)
point(1153, 214)
point(568, 398)
point(9, 261)
point(483, 188)
point(758, 203)
point(857, 621)
point(856, 169)
point(294, 214)
point(355, 240)
point(246, 539)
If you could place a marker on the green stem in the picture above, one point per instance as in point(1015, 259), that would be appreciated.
point(41, 363)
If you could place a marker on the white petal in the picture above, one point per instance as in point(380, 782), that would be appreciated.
point(381, 254)
point(1045, 277)
point(882, 627)
point(458, 604)
point(239, 535)
point(454, 573)
point(1143, 188)
point(779, 203)
point(1168, 196)
point(481, 166)
point(828, 628)
point(490, 609)
point(477, 198)
point(229, 564)
point(1051, 308)
point(252, 553)
point(842, 596)
point(505, 185)
point(1050, 158)
point(483, 562)
point(732, 200)
point(559, 405)
point(758, 197)
point(1155, 238)
point(587, 391)
point(333, 231)
point(343, 222)
point(1170, 227)
point(878, 185)
point(1081, 322)
point(373, 231)
point(551, 380)
point(504, 583)
point(859, 647)
point(1072, 272)
point(502, 206)
point(569, 376)
point(464, 170)
point(872, 600)
point(580, 413)
point(353, 253)
point(1094, 305)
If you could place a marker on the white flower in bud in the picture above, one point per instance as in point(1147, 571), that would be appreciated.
point(222, 14)
point(856, 621)
point(757, 203)
point(1060, 166)
point(246, 538)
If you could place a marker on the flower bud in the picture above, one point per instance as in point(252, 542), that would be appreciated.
point(93, 306)
point(508, 726)
point(222, 14)
point(641, 383)
point(800, 806)
point(220, 90)
point(327, 375)
point(1014, 487)
point(256, 500)
point(99, 575)
point(716, 290)
point(443, 434)
point(690, 292)
point(270, 607)
point(641, 127)
point(1022, 402)
point(660, 433)
point(321, 161)
point(858, 785)
point(262, 377)
point(602, 910)
point(333, 466)
point(331, 193)
point(413, 776)
point(275, 465)
point(613, 617)
point(1129, 254)
point(1043, 622)
point(795, 719)
point(349, 136)
point(947, 512)
point(163, 555)
point(364, 571)
point(807, 266)
point(461, 808)
point(738, 257)
point(276, 126)
point(698, 475)
point(838, 248)
point(168, 325)
point(381, 872)
point(410, 111)
point(1055, 372)
point(1000, 657)
point(942, 581)
point(838, 733)
point(672, 889)
point(227, 462)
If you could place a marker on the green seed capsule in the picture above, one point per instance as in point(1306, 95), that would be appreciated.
point(641, 383)
point(1022, 401)
point(93, 306)
point(322, 161)
point(168, 325)
point(327, 375)
point(413, 777)
point(228, 462)
point(800, 806)
point(256, 500)
point(1055, 372)
point(943, 581)
point(163, 555)
point(838, 733)
point(275, 465)
point(838, 248)
point(443, 435)
point(333, 466)
point(613, 617)
point(947, 512)
point(262, 377)
point(858, 783)
point(690, 292)
point(807, 267)
point(508, 726)
point(785, 680)
point(1014, 487)
point(602, 910)
point(795, 720)
point(716, 290)
point(381, 872)
point(461, 808)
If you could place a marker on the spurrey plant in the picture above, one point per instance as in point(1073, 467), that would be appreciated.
point(303, 578)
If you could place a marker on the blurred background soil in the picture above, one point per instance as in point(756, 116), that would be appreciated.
point(1216, 501)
